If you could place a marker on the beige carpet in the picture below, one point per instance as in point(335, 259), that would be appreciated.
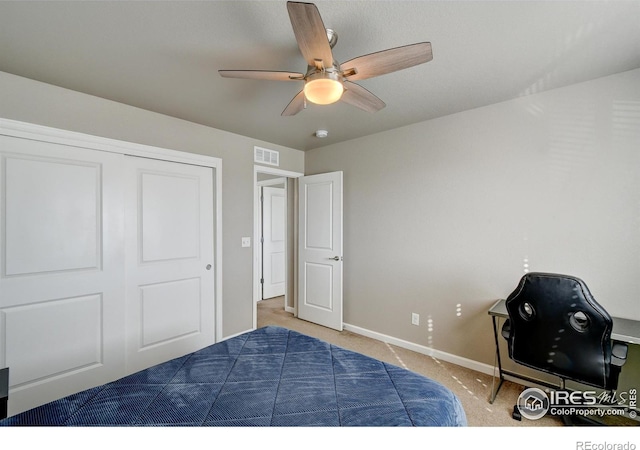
point(473, 388)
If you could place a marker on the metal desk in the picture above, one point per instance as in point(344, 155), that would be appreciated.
point(624, 330)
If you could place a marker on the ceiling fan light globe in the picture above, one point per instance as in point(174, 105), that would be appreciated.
point(323, 91)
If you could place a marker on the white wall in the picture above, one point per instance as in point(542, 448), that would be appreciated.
point(43, 104)
point(443, 217)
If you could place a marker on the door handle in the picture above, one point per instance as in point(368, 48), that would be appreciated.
point(337, 258)
point(208, 267)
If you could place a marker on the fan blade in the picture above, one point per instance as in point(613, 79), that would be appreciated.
point(295, 106)
point(262, 75)
point(358, 96)
point(310, 33)
point(387, 61)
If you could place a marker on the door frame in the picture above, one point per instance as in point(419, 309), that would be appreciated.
point(31, 131)
point(257, 169)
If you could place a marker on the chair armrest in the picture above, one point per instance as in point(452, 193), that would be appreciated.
point(618, 353)
point(506, 329)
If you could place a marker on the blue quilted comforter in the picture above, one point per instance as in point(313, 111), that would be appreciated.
point(268, 377)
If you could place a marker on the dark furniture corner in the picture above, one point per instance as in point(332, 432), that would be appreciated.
point(4, 392)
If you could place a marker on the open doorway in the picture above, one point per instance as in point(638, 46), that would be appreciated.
point(281, 264)
point(272, 241)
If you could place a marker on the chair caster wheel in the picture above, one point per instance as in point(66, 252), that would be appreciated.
point(516, 413)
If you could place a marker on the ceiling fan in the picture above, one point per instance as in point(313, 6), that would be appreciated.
point(326, 81)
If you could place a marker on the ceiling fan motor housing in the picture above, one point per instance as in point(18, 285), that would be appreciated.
point(332, 36)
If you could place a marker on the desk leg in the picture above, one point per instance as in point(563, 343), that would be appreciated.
point(494, 390)
point(4, 392)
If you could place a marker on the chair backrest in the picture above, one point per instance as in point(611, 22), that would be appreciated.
point(559, 328)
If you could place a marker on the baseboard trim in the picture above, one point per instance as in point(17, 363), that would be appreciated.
point(437, 354)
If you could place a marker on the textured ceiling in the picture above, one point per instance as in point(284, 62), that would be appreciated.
point(164, 56)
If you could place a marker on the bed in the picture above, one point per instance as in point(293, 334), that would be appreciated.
point(271, 376)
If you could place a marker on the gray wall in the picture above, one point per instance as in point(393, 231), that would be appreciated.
point(440, 216)
point(30, 101)
point(443, 217)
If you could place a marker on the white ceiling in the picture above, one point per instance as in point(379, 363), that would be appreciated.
point(164, 56)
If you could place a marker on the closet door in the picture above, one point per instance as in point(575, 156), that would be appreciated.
point(169, 260)
point(61, 269)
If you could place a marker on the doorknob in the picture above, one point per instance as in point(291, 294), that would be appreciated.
point(336, 258)
point(208, 266)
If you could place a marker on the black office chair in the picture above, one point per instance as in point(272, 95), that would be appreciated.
point(556, 326)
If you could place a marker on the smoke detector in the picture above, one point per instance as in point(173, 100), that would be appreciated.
point(322, 134)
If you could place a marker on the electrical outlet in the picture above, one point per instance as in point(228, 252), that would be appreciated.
point(415, 319)
point(246, 242)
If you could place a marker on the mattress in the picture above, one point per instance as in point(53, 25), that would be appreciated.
point(268, 377)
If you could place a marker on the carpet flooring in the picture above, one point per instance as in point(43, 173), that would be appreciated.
point(473, 388)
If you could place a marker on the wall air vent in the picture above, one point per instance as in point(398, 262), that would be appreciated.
point(265, 156)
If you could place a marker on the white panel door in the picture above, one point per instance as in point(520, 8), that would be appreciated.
point(61, 269)
point(320, 246)
point(273, 248)
point(169, 260)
